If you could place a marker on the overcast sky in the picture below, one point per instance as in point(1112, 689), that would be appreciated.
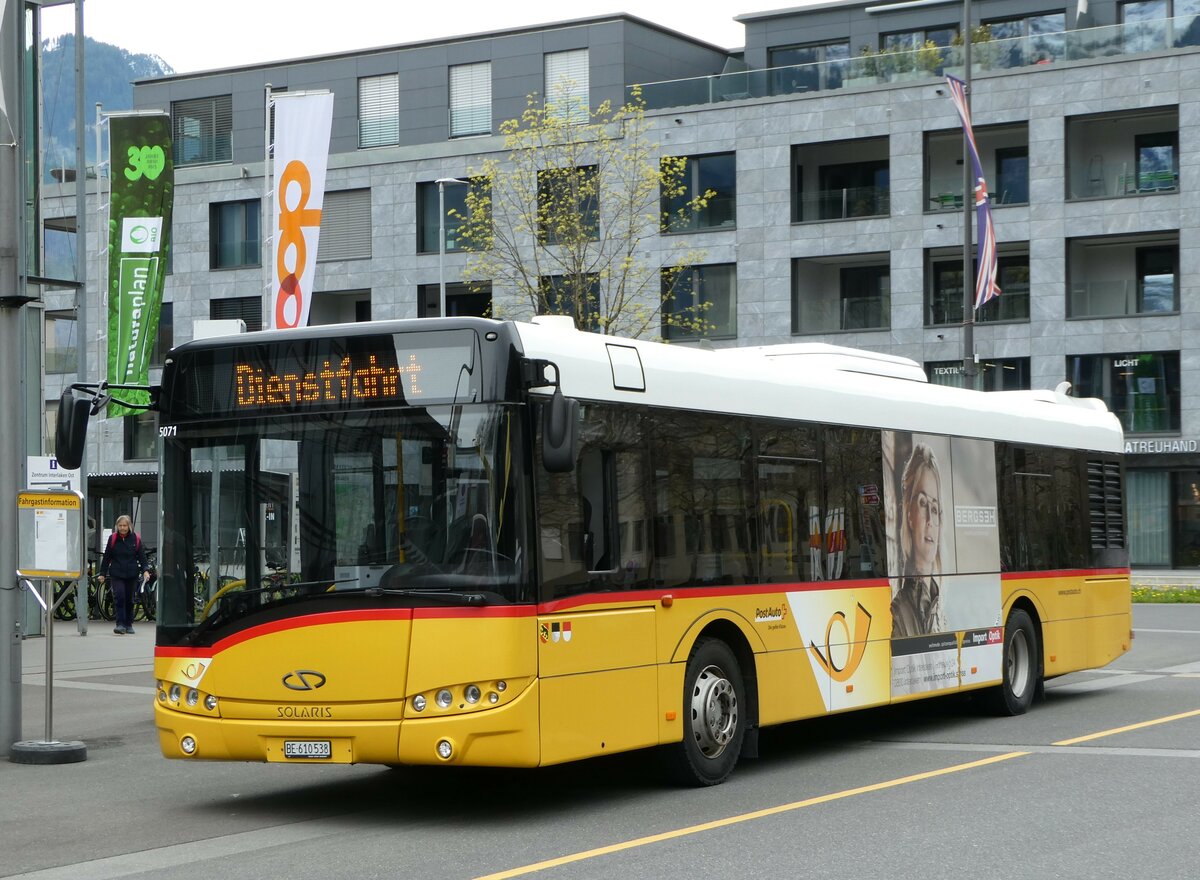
point(193, 35)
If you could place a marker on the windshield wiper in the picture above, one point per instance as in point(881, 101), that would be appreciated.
point(452, 597)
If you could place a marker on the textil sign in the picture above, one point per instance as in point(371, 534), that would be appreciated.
point(139, 232)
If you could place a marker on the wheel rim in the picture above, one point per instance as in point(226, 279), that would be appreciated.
point(1019, 666)
point(714, 711)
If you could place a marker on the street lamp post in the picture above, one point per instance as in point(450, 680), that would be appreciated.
point(441, 185)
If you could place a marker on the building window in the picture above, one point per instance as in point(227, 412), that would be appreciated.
point(379, 110)
point(1156, 157)
point(833, 294)
point(59, 240)
point(1145, 25)
point(234, 234)
point(702, 175)
point(700, 302)
point(345, 226)
point(202, 130)
point(1141, 389)
point(1007, 374)
point(248, 308)
point(141, 436)
point(568, 205)
point(1157, 272)
point(1012, 176)
point(1114, 278)
point(456, 210)
point(1032, 39)
point(62, 342)
point(808, 68)
point(576, 296)
point(866, 298)
point(854, 189)
point(946, 293)
point(910, 41)
point(164, 339)
point(567, 89)
point(462, 300)
point(471, 99)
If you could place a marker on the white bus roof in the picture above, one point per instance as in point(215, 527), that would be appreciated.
point(818, 383)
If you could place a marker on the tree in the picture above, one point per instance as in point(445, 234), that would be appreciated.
point(566, 223)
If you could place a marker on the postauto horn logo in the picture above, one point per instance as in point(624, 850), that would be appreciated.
point(304, 680)
point(856, 639)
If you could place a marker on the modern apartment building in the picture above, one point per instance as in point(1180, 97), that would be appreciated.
point(836, 157)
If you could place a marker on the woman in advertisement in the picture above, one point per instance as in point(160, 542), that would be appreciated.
point(917, 605)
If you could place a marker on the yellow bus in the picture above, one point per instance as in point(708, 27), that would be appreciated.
point(474, 542)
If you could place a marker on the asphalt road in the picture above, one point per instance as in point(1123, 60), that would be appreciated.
point(926, 790)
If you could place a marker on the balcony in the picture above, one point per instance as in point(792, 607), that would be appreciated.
point(845, 203)
point(1119, 299)
point(1133, 38)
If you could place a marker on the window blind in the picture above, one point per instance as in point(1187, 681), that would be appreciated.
point(471, 99)
point(379, 110)
point(202, 130)
point(345, 226)
point(567, 85)
point(248, 308)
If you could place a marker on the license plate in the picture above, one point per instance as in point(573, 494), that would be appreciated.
point(307, 748)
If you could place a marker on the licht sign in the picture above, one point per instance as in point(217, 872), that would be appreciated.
point(302, 125)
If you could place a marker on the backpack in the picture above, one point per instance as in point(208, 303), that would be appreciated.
point(137, 540)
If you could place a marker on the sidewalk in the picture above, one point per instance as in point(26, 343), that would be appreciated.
point(100, 653)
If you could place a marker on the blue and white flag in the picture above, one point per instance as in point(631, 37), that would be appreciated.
point(986, 287)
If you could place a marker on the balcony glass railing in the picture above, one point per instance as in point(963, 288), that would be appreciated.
point(1116, 299)
point(827, 315)
point(845, 203)
point(924, 64)
point(1011, 305)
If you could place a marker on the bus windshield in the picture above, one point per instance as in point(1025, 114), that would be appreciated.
point(280, 513)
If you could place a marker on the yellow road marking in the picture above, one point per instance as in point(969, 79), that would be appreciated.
point(1128, 727)
point(744, 817)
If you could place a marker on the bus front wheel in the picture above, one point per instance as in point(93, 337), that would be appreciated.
point(1021, 666)
point(714, 717)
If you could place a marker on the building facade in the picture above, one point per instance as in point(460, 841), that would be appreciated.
point(835, 157)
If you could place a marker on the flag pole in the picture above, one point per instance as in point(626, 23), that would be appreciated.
point(968, 275)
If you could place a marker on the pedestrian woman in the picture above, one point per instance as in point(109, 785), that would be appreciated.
point(917, 605)
point(124, 563)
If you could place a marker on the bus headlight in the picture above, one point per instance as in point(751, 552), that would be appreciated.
point(445, 749)
point(175, 692)
point(472, 693)
point(444, 698)
point(188, 745)
point(210, 703)
point(419, 702)
point(193, 697)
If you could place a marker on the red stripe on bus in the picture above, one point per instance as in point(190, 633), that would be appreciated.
point(276, 626)
point(1066, 572)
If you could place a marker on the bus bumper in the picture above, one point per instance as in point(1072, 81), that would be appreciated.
point(506, 736)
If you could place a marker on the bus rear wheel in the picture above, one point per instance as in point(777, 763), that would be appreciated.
point(714, 719)
point(1021, 666)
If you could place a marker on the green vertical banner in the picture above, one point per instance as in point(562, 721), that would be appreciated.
point(139, 235)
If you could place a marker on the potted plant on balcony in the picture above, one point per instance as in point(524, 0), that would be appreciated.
point(928, 59)
point(983, 55)
point(864, 70)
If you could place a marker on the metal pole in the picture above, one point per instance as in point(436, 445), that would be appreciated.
point(12, 251)
point(441, 185)
point(81, 300)
point(968, 204)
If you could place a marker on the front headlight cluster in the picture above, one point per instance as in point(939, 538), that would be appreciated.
point(457, 698)
point(184, 698)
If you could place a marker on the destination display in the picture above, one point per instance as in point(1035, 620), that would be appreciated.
point(299, 376)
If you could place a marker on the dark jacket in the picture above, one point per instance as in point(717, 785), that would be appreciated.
point(123, 557)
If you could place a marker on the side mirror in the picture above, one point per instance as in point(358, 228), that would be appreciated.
point(560, 433)
point(70, 436)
